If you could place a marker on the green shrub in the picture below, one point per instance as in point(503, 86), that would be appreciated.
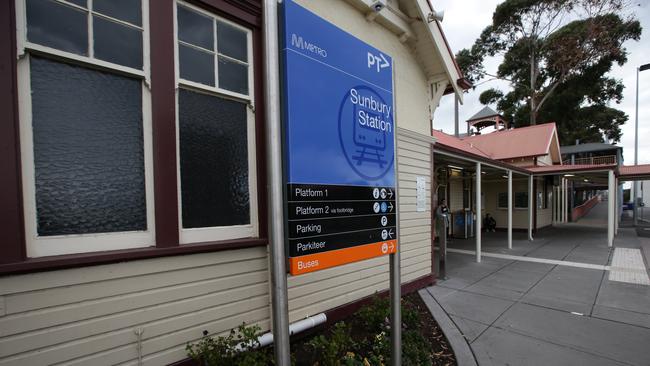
point(239, 347)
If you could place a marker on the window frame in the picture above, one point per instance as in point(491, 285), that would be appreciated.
point(42, 246)
point(160, 43)
point(210, 234)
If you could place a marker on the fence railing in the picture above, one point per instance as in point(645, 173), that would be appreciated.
point(594, 160)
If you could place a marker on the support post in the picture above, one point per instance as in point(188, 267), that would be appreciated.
point(563, 205)
point(566, 200)
point(479, 216)
point(509, 209)
point(611, 201)
point(279, 302)
point(556, 201)
point(616, 208)
point(530, 207)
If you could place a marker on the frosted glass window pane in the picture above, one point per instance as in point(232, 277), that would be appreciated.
point(88, 150)
point(196, 65)
point(195, 28)
point(213, 161)
point(117, 43)
point(233, 76)
point(232, 41)
point(58, 26)
point(78, 2)
point(127, 10)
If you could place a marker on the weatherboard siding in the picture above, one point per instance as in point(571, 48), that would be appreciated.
point(89, 315)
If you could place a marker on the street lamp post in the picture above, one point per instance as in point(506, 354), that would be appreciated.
point(636, 141)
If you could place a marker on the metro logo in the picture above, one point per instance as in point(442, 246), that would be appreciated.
point(379, 62)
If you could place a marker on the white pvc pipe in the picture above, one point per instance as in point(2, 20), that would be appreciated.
point(297, 327)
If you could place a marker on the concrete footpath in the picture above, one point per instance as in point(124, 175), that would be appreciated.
point(564, 299)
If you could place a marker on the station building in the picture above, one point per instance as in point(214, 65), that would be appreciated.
point(133, 186)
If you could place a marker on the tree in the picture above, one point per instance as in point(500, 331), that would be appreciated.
point(549, 47)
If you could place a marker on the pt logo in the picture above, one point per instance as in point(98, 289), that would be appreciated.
point(366, 132)
point(378, 62)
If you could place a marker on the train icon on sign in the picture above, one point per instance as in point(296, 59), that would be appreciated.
point(366, 131)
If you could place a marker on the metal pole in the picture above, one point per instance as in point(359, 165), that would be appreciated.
point(530, 207)
point(611, 201)
point(636, 149)
point(509, 209)
point(279, 301)
point(456, 127)
point(395, 270)
point(479, 216)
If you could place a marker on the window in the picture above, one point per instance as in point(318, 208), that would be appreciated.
point(521, 199)
point(216, 141)
point(502, 200)
point(85, 125)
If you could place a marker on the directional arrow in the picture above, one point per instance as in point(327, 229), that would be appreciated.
point(392, 246)
point(390, 233)
point(390, 193)
point(390, 206)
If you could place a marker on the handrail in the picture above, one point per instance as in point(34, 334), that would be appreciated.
point(594, 160)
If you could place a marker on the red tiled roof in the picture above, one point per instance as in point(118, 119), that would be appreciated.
point(518, 142)
point(634, 170)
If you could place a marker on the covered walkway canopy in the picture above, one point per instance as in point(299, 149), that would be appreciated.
point(546, 187)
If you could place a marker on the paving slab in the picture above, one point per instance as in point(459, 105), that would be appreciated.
point(499, 347)
point(621, 316)
point(625, 296)
point(506, 283)
point(590, 253)
point(621, 342)
point(556, 251)
point(531, 267)
point(479, 308)
point(567, 288)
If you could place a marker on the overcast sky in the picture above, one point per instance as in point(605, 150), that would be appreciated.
point(465, 19)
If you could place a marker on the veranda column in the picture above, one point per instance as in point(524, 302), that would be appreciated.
point(530, 207)
point(509, 209)
point(479, 216)
point(611, 201)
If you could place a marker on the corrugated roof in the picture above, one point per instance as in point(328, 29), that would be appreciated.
point(588, 147)
point(569, 168)
point(518, 142)
point(627, 171)
point(457, 144)
point(483, 113)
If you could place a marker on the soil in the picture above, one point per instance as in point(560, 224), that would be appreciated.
point(441, 352)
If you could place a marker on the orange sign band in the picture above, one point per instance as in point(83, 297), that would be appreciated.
point(314, 262)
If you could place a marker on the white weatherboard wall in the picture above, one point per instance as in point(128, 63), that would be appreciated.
point(315, 292)
point(87, 316)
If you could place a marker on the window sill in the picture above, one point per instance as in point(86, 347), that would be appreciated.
point(89, 259)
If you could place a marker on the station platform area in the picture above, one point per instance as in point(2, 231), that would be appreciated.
point(565, 298)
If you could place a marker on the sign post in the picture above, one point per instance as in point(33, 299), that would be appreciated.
point(339, 140)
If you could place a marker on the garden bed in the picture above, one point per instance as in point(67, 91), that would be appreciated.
point(362, 339)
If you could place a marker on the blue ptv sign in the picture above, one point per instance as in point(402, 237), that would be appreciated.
point(339, 132)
